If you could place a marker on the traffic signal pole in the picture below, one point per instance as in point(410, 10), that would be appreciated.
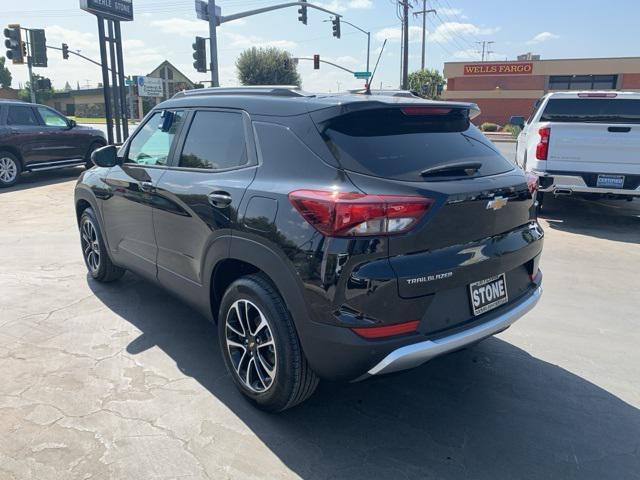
point(32, 87)
point(327, 62)
point(213, 43)
point(216, 19)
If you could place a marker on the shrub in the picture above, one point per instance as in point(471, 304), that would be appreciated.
point(489, 127)
point(514, 130)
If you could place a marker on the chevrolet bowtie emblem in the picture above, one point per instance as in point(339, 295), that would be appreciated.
point(497, 203)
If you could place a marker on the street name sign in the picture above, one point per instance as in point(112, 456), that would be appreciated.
point(362, 74)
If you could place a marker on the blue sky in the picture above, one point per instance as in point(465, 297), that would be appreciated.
point(165, 29)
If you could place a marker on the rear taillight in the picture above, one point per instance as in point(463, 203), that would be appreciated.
point(542, 149)
point(357, 214)
point(532, 182)
point(387, 330)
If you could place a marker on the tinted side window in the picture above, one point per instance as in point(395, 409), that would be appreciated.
point(215, 141)
point(21, 116)
point(51, 118)
point(536, 106)
point(152, 143)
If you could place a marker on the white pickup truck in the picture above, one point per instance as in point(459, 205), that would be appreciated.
point(583, 143)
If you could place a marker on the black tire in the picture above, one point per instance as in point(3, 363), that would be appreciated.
point(293, 380)
point(94, 252)
point(92, 148)
point(10, 169)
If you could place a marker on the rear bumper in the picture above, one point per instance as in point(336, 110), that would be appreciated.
point(416, 354)
point(566, 184)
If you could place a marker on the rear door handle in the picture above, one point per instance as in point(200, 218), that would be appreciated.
point(147, 187)
point(220, 199)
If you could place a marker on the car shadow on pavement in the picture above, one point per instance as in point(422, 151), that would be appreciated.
point(42, 179)
point(617, 220)
point(492, 411)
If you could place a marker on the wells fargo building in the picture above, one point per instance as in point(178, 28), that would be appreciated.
point(503, 89)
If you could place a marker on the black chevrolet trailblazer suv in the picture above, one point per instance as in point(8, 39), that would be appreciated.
point(328, 236)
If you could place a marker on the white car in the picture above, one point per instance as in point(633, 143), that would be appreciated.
point(583, 143)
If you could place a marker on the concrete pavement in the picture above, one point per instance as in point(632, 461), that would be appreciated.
point(123, 381)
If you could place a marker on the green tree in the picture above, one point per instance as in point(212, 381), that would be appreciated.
point(267, 66)
point(5, 74)
point(427, 83)
point(41, 95)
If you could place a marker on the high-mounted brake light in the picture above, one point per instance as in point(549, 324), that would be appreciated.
point(597, 95)
point(344, 214)
point(387, 330)
point(542, 149)
point(426, 110)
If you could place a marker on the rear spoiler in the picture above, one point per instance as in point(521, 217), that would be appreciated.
point(327, 113)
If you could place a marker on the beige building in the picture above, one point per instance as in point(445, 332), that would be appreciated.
point(89, 102)
point(503, 89)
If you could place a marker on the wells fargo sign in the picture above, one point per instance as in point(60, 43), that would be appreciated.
point(499, 69)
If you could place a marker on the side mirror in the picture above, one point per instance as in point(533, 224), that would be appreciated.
point(72, 123)
point(517, 121)
point(106, 156)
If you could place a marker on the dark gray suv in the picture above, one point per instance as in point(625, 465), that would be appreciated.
point(329, 236)
point(36, 138)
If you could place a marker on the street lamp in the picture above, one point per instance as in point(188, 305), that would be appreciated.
point(368, 34)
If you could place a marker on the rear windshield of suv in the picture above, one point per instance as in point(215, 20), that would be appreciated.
point(397, 143)
point(594, 110)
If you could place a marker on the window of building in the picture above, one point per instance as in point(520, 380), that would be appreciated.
point(215, 141)
point(583, 82)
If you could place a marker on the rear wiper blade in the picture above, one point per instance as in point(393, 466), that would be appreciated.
point(452, 169)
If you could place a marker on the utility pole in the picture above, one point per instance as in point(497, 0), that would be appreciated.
point(485, 49)
point(424, 13)
point(405, 44)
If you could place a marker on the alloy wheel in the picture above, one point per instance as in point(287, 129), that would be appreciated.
point(8, 169)
point(250, 345)
point(90, 245)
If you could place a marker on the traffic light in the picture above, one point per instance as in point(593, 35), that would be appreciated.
point(38, 47)
point(302, 13)
point(286, 63)
point(316, 62)
point(336, 27)
point(13, 43)
point(43, 84)
point(200, 54)
point(65, 51)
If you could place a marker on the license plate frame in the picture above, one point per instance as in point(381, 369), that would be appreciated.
point(606, 180)
point(484, 302)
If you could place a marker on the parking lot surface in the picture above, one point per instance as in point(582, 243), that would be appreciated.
point(123, 381)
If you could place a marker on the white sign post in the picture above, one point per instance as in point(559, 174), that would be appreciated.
point(149, 87)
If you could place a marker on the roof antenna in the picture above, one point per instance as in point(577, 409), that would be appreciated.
point(368, 89)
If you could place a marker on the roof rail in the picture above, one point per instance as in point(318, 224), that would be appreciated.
point(269, 90)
